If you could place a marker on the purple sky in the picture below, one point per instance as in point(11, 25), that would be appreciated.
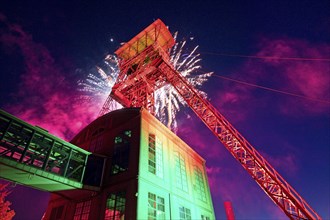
point(42, 45)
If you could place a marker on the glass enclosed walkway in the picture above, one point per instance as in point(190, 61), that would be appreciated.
point(31, 156)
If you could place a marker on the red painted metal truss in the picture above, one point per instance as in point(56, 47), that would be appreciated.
point(293, 205)
point(138, 79)
point(142, 74)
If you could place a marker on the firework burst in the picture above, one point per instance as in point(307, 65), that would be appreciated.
point(99, 81)
point(168, 101)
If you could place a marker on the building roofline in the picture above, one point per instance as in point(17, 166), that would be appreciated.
point(145, 114)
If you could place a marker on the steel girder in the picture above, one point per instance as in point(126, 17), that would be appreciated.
point(138, 80)
point(274, 185)
point(140, 75)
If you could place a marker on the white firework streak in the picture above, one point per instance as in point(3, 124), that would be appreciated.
point(167, 100)
point(98, 84)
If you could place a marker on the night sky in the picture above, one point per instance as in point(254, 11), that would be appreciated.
point(47, 46)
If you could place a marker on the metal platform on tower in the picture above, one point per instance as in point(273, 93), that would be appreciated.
point(29, 155)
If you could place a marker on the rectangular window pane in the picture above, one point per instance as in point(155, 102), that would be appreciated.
point(205, 217)
point(155, 156)
point(152, 153)
point(120, 158)
point(115, 208)
point(185, 213)
point(82, 210)
point(199, 184)
point(180, 172)
point(159, 159)
point(156, 207)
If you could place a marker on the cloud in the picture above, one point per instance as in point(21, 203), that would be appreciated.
point(231, 183)
point(212, 173)
point(309, 78)
point(45, 96)
point(231, 100)
point(287, 163)
point(194, 133)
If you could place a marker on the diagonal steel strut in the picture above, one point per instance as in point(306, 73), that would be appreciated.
point(274, 185)
point(145, 67)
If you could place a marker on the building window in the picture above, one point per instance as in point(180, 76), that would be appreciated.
point(156, 207)
point(185, 213)
point(115, 208)
point(203, 217)
point(180, 172)
point(128, 133)
point(56, 213)
point(155, 156)
point(82, 210)
point(199, 184)
point(152, 154)
point(120, 159)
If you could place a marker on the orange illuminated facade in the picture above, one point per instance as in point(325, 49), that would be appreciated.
point(139, 169)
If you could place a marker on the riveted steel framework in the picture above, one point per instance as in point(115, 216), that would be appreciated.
point(56, 164)
point(148, 69)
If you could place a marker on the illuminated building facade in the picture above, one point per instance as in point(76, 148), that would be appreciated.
point(139, 170)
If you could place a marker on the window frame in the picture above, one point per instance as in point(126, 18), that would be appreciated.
point(180, 171)
point(84, 210)
point(204, 217)
point(200, 184)
point(121, 152)
point(115, 198)
point(184, 213)
point(155, 156)
point(156, 205)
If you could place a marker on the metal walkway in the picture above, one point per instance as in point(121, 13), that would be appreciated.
point(31, 156)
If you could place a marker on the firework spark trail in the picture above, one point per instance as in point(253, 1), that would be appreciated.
point(168, 101)
point(98, 83)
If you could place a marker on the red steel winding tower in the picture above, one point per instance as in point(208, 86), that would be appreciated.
point(145, 67)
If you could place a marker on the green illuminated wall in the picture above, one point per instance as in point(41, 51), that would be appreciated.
point(169, 182)
point(163, 177)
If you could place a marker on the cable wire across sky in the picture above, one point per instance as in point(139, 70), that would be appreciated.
point(273, 90)
point(268, 57)
point(268, 88)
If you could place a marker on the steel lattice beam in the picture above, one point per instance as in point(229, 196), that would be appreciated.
point(293, 205)
point(143, 72)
